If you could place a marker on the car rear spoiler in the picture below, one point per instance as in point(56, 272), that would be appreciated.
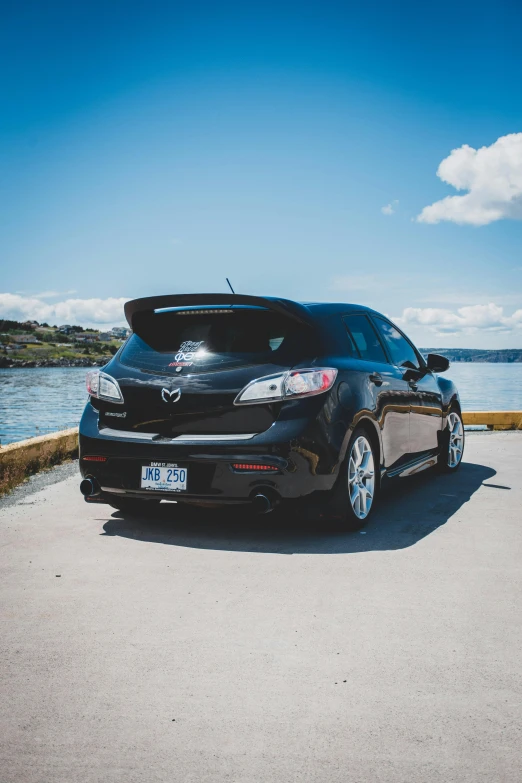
point(294, 310)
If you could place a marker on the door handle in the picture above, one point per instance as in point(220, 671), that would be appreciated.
point(376, 378)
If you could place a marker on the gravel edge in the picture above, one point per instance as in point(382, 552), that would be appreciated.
point(39, 481)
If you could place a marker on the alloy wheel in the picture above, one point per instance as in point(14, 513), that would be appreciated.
point(361, 477)
point(456, 439)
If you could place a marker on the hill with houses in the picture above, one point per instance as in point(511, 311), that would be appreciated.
point(34, 344)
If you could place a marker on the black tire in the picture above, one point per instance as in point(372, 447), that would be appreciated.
point(343, 513)
point(134, 505)
point(446, 459)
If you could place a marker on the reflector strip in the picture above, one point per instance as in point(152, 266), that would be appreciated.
point(93, 458)
point(251, 466)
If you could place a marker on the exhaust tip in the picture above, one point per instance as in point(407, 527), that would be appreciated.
point(89, 488)
point(262, 503)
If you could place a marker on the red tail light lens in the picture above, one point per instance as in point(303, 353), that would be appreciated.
point(94, 458)
point(251, 466)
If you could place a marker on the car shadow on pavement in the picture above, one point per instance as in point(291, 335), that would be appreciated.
point(409, 511)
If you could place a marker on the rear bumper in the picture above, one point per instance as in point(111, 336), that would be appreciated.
point(301, 455)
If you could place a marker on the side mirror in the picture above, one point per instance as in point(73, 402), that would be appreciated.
point(437, 363)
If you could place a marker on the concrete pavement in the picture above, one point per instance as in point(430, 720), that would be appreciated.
point(249, 650)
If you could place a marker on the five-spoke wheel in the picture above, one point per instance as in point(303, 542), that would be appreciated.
point(361, 477)
point(353, 497)
point(452, 447)
point(456, 439)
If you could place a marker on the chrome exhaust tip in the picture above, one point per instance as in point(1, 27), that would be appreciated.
point(262, 503)
point(89, 487)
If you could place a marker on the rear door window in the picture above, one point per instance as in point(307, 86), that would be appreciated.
point(364, 338)
point(205, 340)
point(403, 354)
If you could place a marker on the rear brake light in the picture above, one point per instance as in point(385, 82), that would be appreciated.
point(251, 466)
point(288, 385)
point(303, 383)
point(103, 386)
point(201, 312)
point(94, 458)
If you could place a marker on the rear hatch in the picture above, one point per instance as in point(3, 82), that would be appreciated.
point(182, 368)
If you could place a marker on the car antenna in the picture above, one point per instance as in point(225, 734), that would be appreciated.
point(230, 285)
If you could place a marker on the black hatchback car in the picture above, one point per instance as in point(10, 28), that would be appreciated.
point(225, 399)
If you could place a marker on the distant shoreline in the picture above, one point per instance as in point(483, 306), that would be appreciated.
point(455, 355)
point(478, 355)
point(23, 364)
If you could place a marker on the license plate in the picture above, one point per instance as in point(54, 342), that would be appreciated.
point(164, 477)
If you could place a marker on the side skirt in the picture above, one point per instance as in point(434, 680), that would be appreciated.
point(415, 466)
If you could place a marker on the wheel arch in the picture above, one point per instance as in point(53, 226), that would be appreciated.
point(450, 395)
point(454, 404)
point(373, 432)
point(371, 427)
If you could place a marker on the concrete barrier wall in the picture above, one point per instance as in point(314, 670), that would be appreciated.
point(19, 460)
point(494, 420)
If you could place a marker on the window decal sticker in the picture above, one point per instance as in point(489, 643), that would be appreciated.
point(186, 353)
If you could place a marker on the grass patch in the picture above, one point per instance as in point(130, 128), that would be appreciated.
point(16, 468)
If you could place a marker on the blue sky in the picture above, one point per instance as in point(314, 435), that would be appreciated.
point(159, 147)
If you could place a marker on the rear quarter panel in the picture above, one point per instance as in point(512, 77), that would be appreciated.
point(356, 402)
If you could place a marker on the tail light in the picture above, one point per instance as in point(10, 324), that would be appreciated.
point(252, 466)
point(103, 386)
point(287, 386)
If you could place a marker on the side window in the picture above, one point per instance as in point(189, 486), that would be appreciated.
point(364, 337)
point(400, 350)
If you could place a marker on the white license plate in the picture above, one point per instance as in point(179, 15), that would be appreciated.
point(164, 477)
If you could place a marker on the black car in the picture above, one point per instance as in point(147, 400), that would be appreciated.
point(225, 399)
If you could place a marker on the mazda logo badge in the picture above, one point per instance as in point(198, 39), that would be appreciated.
point(170, 396)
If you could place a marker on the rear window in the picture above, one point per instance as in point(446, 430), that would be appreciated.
point(204, 341)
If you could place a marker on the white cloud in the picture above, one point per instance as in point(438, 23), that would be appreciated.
point(459, 297)
point(86, 312)
point(493, 177)
point(390, 208)
point(467, 320)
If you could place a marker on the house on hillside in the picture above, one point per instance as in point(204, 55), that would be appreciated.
point(120, 332)
point(87, 337)
point(25, 339)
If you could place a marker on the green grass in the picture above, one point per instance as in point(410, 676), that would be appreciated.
point(17, 471)
point(69, 352)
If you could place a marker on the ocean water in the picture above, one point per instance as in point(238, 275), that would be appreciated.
point(34, 401)
point(488, 386)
